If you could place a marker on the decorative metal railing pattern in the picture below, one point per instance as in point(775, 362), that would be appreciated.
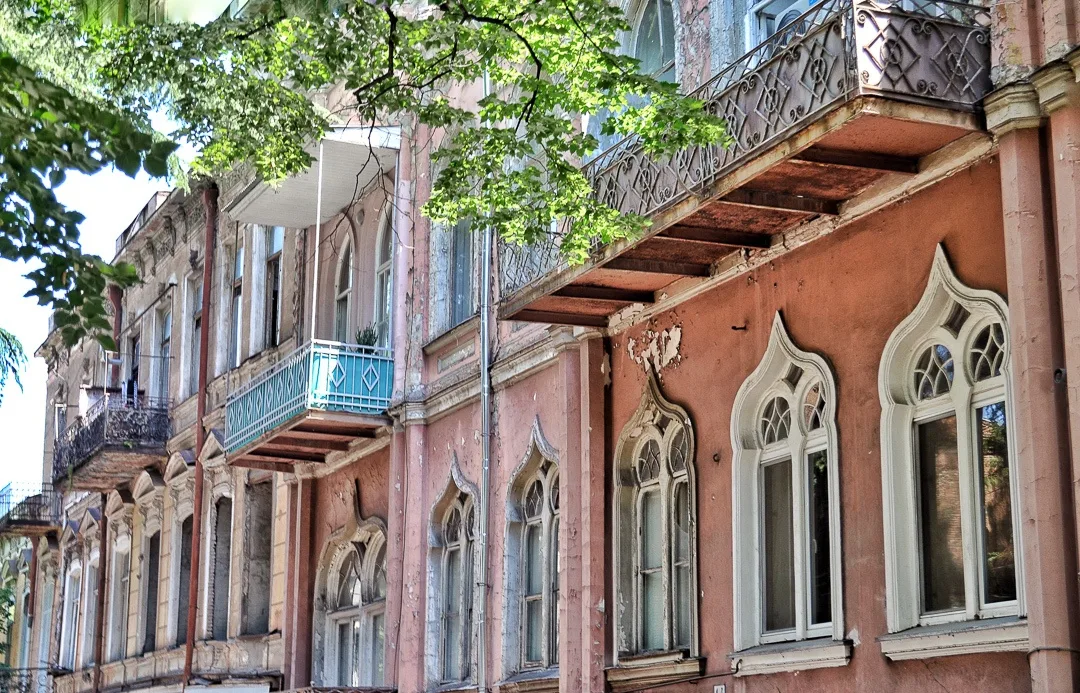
point(318, 375)
point(25, 681)
point(138, 422)
point(29, 504)
point(932, 51)
point(343, 689)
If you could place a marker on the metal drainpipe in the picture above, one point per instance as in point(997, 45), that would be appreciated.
point(485, 437)
point(210, 203)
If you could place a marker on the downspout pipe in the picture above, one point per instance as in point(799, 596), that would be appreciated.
point(210, 204)
point(485, 438)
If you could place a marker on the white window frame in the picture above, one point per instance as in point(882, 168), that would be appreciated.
point(659, 420)
point(236, 309)
point(272, 308)
point(790, 374)
point(384, 281)
point(89, 610)
point(928, 324)
point(69, 629)
point(638, 13)
point(195, 315)
point(119, 592)
point(372, 605)
point(546, 522)
point(344, 293)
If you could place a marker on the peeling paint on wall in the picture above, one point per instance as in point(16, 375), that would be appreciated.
point(656, 349)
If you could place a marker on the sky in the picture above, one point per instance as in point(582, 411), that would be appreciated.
point(109, 200)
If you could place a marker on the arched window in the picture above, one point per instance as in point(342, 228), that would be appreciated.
point(384, 260)
point(456, 605)
point(357, 621)
point(221, 567)
point(540, 569)
point(951, 518)
point(655, 530)
point(343, 294)
point(785, 496)
point(119, 583)
point(89, 617)
point(654, 39)
point(181, 591)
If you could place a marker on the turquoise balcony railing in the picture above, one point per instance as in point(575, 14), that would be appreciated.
point(319, 376)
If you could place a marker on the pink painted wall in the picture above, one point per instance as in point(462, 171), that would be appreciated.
point(841, 297)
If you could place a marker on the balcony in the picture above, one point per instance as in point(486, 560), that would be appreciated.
point(317, 400)
point(118, 436)
point(25, 681)
point(29, 510)
point(851, 92)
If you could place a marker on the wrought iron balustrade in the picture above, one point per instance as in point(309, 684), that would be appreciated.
point(128, 422)
point(321, 375)
point(25, 680)
point(927, 51)
point(29, 506)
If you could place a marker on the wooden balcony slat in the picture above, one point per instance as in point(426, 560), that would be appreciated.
point(605, 293)
point(555, 318)
point(769, 199)
point(726, 237)
point(852, 159)
point(632, 264)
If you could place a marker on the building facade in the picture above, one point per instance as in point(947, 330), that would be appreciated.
point(814, 430)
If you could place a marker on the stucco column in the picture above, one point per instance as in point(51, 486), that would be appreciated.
point(409, 501)
point(301, 587)
point(1040, 428)
point(595, 371)
point(1059, 98)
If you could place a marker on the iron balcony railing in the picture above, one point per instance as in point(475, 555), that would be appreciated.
point(132, 422)
point(29, 505)
point(25, 681)
point(328, 376)
point(928, 51)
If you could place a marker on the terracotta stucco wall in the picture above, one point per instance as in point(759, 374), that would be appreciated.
point(840, 297)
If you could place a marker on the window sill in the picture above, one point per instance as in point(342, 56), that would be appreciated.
point(1008, 634)
point(452, 335)
point(532, 681)
point(820, 653)
point(644, 671)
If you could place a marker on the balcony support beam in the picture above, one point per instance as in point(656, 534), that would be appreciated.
point(864, 160)
point(556, 318)
point(728, 237)
point(605, 293)
point(633, 264)
point(768, 199)
point(269, 464)
point(302, 441)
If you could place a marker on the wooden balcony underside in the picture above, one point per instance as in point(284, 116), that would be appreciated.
point(112, 466)
point(308, 437)
point(867, 142)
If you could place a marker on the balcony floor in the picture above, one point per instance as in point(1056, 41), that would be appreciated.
point(866, 142)
point(308, 437)
point(111, 466)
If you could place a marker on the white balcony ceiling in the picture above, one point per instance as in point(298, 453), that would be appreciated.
point(352, 159)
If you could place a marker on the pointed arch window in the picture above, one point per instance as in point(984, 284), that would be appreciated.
point(655, 531)
point(384, 258)
point(343, 294)
point(540, 569)
point(785, 496)
point(459, 536)
point(952, 499)
point(357, 622)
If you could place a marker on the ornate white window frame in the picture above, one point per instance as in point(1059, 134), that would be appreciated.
point(71, 613)
point(365, 542)
point(801, 385)
point(180, 482)
point(540, 466)
point(952, 315)
point(459, 495)
point(119, 510)
point(149, 494)
point(221, 489)
point(343, 291)
point(665, 429)
point(384, 278)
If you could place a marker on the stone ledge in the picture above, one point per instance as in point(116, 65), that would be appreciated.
point(1009, 634)
point(653, 670)
point(791, 656)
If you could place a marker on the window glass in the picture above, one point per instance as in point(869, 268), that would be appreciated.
point(939, 509)
point(652, 579)
point(452, 634)
point(999, 555)
point(461, 274)
point(820, 572)
point(165, 350)
point(344, 291)
point(683, 596)
point(654, 44)
point(779, 549)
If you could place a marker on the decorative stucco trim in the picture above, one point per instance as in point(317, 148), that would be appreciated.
point(791, 656)
point(992, 635)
